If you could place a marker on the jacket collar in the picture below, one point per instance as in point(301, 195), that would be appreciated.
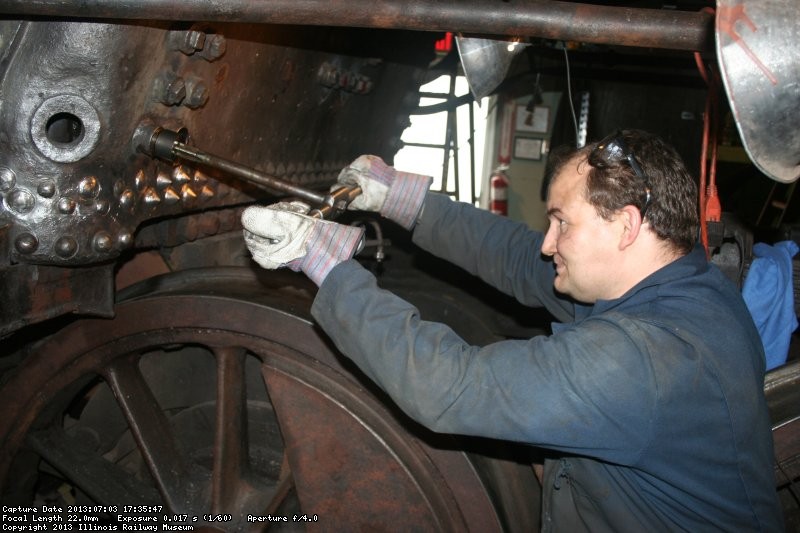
point(684, 267)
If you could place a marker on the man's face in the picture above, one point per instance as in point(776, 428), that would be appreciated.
point(583, 245)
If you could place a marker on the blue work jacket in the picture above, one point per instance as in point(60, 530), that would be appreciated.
point(653, 401)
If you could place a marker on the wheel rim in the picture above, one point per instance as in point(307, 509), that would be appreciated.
point(344, 459)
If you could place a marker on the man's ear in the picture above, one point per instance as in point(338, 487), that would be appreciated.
point(631, 220)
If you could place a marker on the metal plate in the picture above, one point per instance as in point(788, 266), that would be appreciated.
point(760, 62)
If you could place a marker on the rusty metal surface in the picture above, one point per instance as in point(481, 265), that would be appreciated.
point(547, 19)
point(296, 103)
point(348, 459)
point(74, 188)
point(340, 468)
point(34, 293)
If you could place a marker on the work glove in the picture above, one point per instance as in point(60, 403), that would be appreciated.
point(396, 195)
point(282, 235)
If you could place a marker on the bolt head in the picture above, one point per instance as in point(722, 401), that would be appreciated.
point(214, 48)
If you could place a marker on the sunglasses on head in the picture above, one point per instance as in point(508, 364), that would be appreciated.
point(612, 151)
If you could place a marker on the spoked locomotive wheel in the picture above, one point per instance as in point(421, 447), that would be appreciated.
point(214, 397)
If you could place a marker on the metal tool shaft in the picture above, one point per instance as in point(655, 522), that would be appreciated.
point(169, 145)
point(246, 173)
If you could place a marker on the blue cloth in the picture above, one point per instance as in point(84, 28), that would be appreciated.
point(653, 402)
point(769, 295)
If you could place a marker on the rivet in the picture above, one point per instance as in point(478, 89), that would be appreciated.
point(125, 239)
point(199, 177)
point(89, 187)
point(8, 180)
point(119, 187)
point(181, 176)
point(207, 193)
point(163, 180)
point(26, 243)
point(171, 197)
point(140, 180)
point(66, 247)
point(187, 194)
point(151, 197)
point(66, 205)
point(103, 242)
point(46, 189)
point(126, 199)
point(102, 206)
point(21, 201)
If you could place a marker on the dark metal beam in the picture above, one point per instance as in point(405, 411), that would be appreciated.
point(650, 28)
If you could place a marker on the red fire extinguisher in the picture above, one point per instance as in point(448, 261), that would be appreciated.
point(498, 192)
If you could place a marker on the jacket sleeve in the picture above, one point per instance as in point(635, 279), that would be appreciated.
point(556, 391)
point(504, 253)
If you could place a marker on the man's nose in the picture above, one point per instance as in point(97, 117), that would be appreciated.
point(549, 242)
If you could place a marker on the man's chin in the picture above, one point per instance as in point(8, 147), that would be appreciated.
point(561, 286)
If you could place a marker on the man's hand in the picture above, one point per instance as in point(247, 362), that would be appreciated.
point(396, 195)
point(282, 235)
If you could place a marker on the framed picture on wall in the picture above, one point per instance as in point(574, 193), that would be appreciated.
point(536, 120)
point(527, 148)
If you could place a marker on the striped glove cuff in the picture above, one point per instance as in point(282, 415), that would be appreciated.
point(328, 245)
point(405, 198)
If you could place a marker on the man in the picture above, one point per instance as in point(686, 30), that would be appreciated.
point(650, 388)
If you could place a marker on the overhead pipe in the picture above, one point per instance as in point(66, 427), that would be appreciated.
point(549, 19)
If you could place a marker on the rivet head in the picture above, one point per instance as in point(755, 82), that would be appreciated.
point(170, 196)
point(102, 206)
point(8, 180)
point(207, 193)
point(66, 205)
point(119, 187)
point(126, 199)
point(89, 187)
point(151, 197)
point(21, 201)
point(181, 176)
point(140, 180)
point(26, 243)
point(187, 194)
point(125, 239)
point(163, 180)
point(46, 188)
point(66, 247)
point(103, 242)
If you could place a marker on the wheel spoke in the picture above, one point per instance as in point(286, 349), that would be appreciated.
point(104, 482)
point(230, 440)
point(152, 432)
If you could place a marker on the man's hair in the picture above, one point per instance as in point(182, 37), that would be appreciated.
point(672, 211)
